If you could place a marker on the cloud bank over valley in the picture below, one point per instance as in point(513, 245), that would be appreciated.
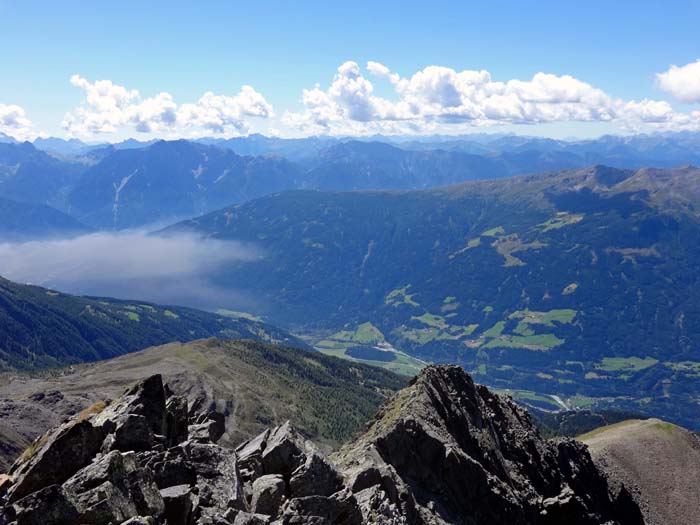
point(178, 269)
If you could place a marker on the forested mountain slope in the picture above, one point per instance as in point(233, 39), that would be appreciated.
point(582, 283)
point(42, 328)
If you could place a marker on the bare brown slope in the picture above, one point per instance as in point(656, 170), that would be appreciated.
point(671, 190)
point(660, 459)
point(254, 384)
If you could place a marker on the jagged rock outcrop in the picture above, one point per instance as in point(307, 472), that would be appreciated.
point(137, 421)
point(113, 489)
point(126, 461)
point(55, 457)
point(443, 450)
point(288, 479)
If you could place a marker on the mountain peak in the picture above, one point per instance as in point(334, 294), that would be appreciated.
point(445, 448)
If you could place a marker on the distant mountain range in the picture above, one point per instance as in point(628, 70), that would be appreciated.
point(170, 180)
point(134, 184)
point(22, 220)
point(660, 150)
point(31, 175)
point(582, 284)
point(40, 328)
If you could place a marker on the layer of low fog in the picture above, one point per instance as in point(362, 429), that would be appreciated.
point(168, 270)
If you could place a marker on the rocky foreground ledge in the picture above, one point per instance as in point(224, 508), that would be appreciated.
point(443, 450)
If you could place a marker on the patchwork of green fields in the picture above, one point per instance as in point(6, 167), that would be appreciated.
point(234, 314)
point(367, 340)
point(401, 364)
point(560, 220)
point(629, 364)
point(529, 342)
point(527, 397)
point(366, 333)
point(532, 332)
point(400, 296)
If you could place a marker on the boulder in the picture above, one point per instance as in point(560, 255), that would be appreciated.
point(283, 455)
point(375, 502)
point(284, 450)
point(380, 492)
point(179, 504)
point(176, 420)
point(144, 492)
point(113, 489)
point(341, 508)
point(267, 494)
point(55, 457)
point(247, 518)
point(133, 432)
point(316, 476)
point(112, 467)
point(137, 417)
point(104, 504)
point(48, 506)
point(249, 456)
point(170, 467)
point(217, 478)
point(208, 428)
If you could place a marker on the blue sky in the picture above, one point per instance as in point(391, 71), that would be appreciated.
point(281, 49)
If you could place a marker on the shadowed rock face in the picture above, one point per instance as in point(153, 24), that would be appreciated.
point(443, 450)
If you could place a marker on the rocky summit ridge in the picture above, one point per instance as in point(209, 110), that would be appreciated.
point(442, 450)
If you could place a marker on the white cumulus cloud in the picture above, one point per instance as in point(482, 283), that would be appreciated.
point(219, 113)
point(109, 107)
point(14, 122)
point(437, 97)
point(682, 82)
